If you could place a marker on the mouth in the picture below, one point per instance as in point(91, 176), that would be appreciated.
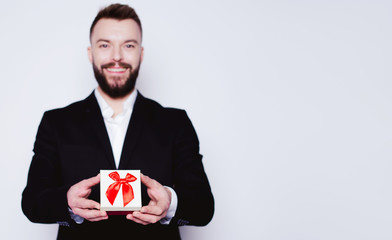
point(116, 69)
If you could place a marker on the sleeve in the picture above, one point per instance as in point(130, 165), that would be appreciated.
point(195, 199)
point(44, 200)
point(172, 208)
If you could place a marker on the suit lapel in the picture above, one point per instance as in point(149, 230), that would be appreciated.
point(95, 118)
point(134, 130)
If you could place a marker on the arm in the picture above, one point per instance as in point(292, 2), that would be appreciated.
point(195, 199)
point(44, 199)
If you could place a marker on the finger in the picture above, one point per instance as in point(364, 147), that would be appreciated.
point(153, 210)
point(98, 219)
point(89, 214)
point(147, 218)
point(88, 183)
point(149, 182)
point(133, 218)
point(84, 203)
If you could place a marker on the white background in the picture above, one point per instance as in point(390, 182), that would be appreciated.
point(291, 101)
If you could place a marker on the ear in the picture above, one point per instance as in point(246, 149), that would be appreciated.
point(142, 55)
point(90, 55)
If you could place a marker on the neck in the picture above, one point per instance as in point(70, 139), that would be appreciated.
point(115, 103)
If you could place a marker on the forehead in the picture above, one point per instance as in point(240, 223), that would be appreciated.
point(112, 29)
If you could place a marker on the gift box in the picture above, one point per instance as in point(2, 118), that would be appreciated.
point(120, 190)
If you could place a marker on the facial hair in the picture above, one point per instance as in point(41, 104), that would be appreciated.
point(116, 91)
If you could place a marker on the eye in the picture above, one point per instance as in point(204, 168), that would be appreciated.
point(129, 46)
point(104, 45)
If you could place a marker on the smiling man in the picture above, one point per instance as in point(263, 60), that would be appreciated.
point(116, 54)
point(117, 128)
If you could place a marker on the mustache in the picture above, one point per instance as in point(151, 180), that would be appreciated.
point(112, 64)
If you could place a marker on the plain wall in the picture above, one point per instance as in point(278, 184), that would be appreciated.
point(291, 101)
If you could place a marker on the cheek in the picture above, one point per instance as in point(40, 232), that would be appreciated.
point(132, 56)
point(100, 58)
point(134, 61)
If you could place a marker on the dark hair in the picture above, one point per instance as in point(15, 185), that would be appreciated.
point(118, 12)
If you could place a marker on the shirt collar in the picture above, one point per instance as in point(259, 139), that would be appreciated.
point(107, 111)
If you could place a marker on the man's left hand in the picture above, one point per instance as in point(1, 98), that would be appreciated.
point(157, 207)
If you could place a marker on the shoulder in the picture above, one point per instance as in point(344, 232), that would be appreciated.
point(76, 109)
point(167, 120)
point(153, 109)
point(157, 115)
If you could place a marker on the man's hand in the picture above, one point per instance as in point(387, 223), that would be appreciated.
point(157, 207)
point(80, 205)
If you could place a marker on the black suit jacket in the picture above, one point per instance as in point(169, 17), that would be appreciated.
point(72, 144)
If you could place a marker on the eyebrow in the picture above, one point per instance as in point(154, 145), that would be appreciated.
point(126, 41)
point(131, 41)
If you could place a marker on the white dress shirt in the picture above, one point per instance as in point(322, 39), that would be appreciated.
point(116, 127)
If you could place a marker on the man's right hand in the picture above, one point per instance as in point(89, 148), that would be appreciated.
point(77, 200)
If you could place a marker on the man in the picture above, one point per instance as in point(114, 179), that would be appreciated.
point(117, 128)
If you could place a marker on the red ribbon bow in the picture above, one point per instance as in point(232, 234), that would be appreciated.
point(114, 188)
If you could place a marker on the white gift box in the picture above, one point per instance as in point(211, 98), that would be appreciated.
point(120, 190)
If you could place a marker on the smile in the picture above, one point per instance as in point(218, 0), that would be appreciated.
point(116, 70)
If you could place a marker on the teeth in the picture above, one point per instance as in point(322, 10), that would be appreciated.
point(116, 69)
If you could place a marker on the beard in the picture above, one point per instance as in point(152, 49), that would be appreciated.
point(116, 90)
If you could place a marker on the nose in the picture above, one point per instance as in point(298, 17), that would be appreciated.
point(117, 54)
